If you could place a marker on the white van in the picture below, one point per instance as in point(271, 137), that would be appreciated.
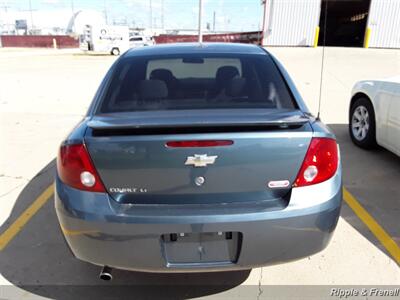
point(140, 41)
point(104, 38)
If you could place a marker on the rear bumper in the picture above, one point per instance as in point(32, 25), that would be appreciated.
point(102, 232)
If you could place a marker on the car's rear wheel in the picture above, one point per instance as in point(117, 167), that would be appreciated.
point(362, 123)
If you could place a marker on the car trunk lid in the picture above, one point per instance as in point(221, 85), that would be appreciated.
point(164, 157)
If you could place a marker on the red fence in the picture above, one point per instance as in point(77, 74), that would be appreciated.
point(45, 41)
point(65, 41)
point(253, 37)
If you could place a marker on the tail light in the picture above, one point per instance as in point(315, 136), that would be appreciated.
point(320, 163)
point(75, 168)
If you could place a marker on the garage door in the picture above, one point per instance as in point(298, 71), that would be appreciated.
point(291, 23)
point(384, 22)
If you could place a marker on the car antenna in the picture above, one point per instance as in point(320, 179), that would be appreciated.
point(323, 61)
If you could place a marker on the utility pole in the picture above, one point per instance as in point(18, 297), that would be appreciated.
point(5, 7)
point(105, 11)
point(4, 22)
point(151, 17)
point(162, 14)
point(200, 17)
point(214, 21)
point(31, 12)
point(72, 7)
point(265, 4)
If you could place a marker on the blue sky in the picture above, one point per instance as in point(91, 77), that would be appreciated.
point(231, 15)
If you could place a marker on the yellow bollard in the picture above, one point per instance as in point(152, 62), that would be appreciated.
point(367, 37)
point(316, 37)
point(54, 43)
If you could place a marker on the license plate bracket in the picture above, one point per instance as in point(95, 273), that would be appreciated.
point(201, 248)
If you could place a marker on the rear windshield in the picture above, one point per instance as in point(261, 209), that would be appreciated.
point(195, 81)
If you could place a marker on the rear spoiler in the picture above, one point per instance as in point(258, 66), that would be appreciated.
point(186, 124)
point(200, 119)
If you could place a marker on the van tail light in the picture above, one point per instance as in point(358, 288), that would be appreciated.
point(76, 169)
point(320, 162)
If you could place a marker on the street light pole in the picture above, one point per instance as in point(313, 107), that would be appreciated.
point(214, 21)
point(31, 11)
point(105, 11)
point(162, 14)
point(200, 15)
point(151, 17)
point(266, 16)
point(72, 7)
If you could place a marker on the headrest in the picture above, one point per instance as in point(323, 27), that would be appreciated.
point(162, 74)
point(235, 87)
point(226, 73)
point(152, 89)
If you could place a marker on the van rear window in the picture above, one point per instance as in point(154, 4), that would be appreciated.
point(195, 81)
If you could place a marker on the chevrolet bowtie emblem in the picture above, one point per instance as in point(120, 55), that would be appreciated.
point(200, 160)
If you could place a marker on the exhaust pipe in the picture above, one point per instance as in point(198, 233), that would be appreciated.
point(105, 273)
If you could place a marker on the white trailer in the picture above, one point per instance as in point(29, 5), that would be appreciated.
point(104, 38)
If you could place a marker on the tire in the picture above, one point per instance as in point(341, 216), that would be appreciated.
point(115, 51)
point(362, 127)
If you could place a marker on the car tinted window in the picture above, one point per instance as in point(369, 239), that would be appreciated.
point(196, 82)
point(207, 68)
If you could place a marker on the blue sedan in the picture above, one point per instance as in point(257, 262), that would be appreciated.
point(195, 158)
